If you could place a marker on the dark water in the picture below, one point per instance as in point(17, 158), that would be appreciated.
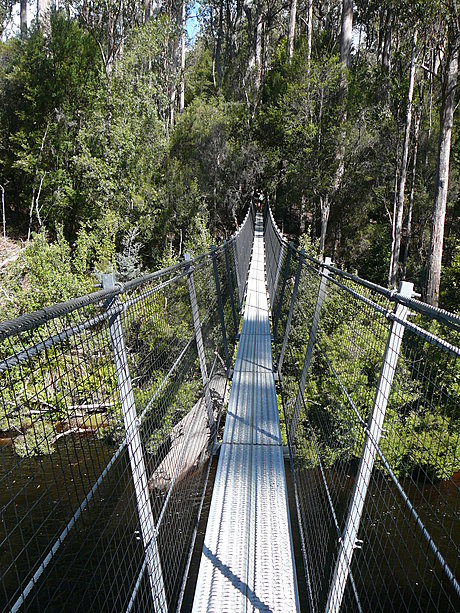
point(97, 565)
point(39, 499)
point(395, 569)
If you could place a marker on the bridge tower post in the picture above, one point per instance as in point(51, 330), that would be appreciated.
point(348, 542)
point(199, 343)
point(134, 444)
point(324, 274)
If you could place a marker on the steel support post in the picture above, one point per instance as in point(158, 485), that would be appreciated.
point(221, 307)
point(230, 285)
point(291, 310)
point(199, 343)
point(347, 543)
point(310, 346)
point(136, 455)
point(283, 288)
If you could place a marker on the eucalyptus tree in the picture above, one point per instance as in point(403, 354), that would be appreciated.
point(23, 17)
point(399, 208)
point(44, 14)
point(292, 27)
point(449, 77)
point(6, 14)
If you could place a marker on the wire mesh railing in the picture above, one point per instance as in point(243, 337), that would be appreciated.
point(110, 405)
point(369, 380)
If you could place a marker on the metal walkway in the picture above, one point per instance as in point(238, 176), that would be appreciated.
point(247, 562)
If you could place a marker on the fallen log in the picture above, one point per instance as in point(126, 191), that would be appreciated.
point(189, 438)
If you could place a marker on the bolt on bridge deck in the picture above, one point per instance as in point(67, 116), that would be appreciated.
point(247, 563)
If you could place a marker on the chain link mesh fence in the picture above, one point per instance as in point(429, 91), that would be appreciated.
point(370, 388)
point(106, 409)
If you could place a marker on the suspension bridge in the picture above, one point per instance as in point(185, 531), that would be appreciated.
point(144, 466)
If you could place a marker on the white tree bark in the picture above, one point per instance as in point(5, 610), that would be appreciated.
point(291, 34)
point(23, 16)
point(44, 15)
point(442, 175)
point(411, 196)
point(346, 32)
point(3, 211)
point(309, 33)
point(258, 49)
point(398, 218)
point(182, 56)
point(386, 52)
point(325, 205)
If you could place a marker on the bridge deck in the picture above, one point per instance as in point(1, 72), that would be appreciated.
point(247, 562)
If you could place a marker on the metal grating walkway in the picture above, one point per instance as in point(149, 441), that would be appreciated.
point(247, 562)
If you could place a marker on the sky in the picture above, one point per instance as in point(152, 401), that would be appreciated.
point(192, 23)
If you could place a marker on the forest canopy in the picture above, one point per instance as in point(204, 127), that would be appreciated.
point(125, 141)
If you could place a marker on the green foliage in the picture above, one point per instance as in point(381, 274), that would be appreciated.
point(310, 245)
point(199, 239)
point(420, 437)
point(93, 147)
point(198, 74)
point(450, 282)
point(47, 86)
point(184, 399)
point(37, 440)
point(43, 274)
point(208, 140)
point(425, 445)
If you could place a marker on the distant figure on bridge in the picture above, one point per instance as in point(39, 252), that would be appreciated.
point(259, 200)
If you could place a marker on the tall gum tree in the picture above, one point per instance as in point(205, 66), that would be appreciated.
point(398, 218)
point(23, 17)
point(449, 85)
point(345, 52)
point(43, 15)
point(291, 33)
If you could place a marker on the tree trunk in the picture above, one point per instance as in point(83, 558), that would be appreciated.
point(147, 10)
point(390, 216)
point(346, 32)
point(291, 35)
point(43, 15)
point(325, 210)
point(219, 44)
point(430, 106)
point(121, 29)
point(258, 48)
point(3, 211)
point(23, 17)
point(398, 218)
point(386, 53)
point(345, 47)
point(303, 214)
point(309, 33)
point(442, 174)
point(411, 197)
point(172, 106)
point(182, 56)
